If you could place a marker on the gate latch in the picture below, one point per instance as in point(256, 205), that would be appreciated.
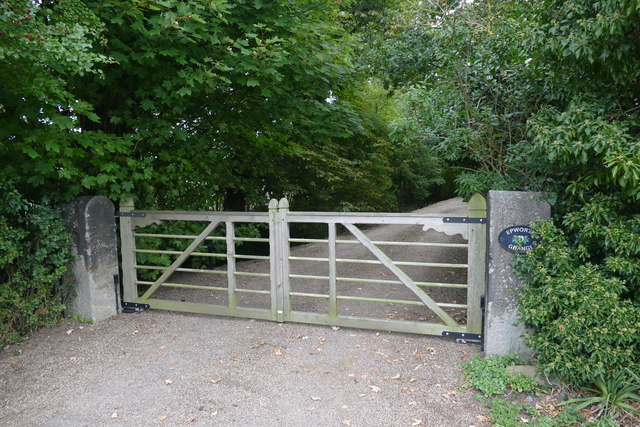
point(463, 337)
point(134, 307)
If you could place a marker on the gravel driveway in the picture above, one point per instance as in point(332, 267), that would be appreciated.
point(164, 368)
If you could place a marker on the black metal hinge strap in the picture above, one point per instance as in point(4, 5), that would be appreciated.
point(464, 220)
point(134, 307)
point(463, 337)
point(133, 214)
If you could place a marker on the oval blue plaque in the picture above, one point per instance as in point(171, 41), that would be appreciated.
point(517, 239)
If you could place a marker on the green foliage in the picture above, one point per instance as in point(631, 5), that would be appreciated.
point(35, 250)
point(602, 152)
point(506, 414)
point(613, 395)
point(489, 375)
point(584, 326)
point(180, 104)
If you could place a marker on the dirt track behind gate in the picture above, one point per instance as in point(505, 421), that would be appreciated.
point(163, 368)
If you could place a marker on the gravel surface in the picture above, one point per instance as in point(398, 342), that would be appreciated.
point(164, 368)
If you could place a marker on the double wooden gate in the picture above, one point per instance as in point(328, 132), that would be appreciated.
point(428, 281)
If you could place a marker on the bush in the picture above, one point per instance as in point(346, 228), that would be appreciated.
point(489, 375)
point(34, 252)
point(585, 323)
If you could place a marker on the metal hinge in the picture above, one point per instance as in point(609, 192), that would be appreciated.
point(134, 214)
point(134, 307)
point(463, 337)
point(464, 220)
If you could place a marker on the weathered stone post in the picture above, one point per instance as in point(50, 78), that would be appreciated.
point(510, 215)
point(92, 225)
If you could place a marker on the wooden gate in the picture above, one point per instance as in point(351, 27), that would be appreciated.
point(347, 277)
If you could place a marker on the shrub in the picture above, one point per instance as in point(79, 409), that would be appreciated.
point(489, 375)
point(34, 252)
point(585, 324)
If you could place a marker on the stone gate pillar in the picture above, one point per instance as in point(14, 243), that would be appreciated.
point(91, 222)
point(510, 214)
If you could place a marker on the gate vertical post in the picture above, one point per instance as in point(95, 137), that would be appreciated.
point(476, 260)
point(284, 306)
point(231, 264)
point(274, 257)
point(333, 291)
point(128, 247)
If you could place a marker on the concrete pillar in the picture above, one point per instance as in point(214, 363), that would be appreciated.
point(92, 225)
point(509, 213)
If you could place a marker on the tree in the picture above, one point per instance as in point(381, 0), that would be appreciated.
point(543, 95)
point(191, 103)
point(42, 44)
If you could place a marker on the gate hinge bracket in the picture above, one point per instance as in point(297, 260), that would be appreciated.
point(463, 337)
point(134, 307)
point(133, 214)
point(464, 220)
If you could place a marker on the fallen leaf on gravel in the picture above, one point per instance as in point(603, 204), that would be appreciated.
point(216, 380)
point(412, 380)
point(344, 406)
point(69, 331)
point(259, 344)
point(335, 328)
point(114, 415)
point(277, 351)
point(407, 390)
point(361, 395)
point(374, 388)
point(483, 418)
point(162, 417)
point(416, 422)
point(316, 398)
point(413, 403)
point(234, 357)
point(395, 377)
point(431, 350)
point(346, 423)
point(192, 419)
point(168, 382)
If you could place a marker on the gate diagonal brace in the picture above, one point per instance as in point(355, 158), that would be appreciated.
point(463, 337)
point(134, 307)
